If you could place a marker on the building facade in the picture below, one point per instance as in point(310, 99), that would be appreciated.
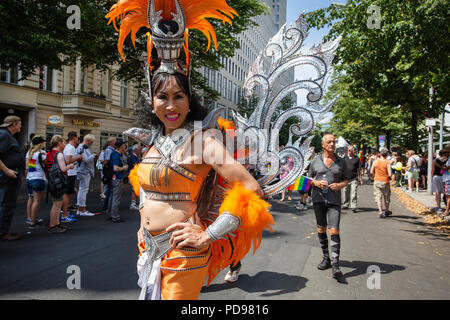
point(229, 81)
point(77, 99)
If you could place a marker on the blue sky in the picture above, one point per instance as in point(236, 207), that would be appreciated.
point(294, 8)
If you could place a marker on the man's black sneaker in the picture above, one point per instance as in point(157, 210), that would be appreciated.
point(325, 264)
point(336, 272)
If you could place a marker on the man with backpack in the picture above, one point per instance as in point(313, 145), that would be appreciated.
point(107, 170)
point(119, 172)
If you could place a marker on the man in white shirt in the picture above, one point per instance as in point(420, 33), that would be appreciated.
point(70, 156)
point(413, 168)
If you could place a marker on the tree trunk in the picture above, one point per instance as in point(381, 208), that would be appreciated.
point(388, 139)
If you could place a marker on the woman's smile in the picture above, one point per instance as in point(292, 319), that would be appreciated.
point(173, 116)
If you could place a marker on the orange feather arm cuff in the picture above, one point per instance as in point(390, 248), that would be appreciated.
point(255, 218)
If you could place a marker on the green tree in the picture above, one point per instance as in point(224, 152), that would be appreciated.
point(359, 120)
point(397, 63)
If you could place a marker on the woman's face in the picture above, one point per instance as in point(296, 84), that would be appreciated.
point(171, 105)
point(61, 145)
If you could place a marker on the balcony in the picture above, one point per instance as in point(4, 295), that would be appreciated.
point(87, 106)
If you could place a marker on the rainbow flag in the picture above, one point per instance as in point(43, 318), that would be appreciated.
point(32, 165)
point(302, 184)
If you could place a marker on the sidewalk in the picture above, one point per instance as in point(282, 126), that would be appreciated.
point(423, 204)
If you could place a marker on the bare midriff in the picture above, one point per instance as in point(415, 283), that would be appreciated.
point(156, 216)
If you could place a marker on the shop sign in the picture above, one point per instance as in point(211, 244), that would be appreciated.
point(85, 123)
point(55, 119)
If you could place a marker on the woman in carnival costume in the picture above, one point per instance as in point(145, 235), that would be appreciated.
point(192, 226)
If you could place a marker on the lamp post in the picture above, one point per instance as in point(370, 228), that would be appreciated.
point(430, 123)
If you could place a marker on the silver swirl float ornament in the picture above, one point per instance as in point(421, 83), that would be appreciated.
point(283, 53)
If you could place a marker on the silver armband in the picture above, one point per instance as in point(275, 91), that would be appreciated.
point(224, 224)
point(142, 198)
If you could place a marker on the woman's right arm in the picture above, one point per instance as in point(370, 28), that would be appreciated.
point(62, 163)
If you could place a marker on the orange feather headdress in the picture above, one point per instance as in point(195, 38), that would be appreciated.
point(133, 15)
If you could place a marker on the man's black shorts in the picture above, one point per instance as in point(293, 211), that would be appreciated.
point(70, 188)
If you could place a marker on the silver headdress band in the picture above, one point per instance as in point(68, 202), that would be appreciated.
point(168, 37)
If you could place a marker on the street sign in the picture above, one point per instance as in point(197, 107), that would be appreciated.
point(430, 122)
point(382, 141)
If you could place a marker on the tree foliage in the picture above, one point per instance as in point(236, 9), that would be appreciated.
point(389, 70)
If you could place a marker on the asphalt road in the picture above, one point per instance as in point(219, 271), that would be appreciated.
point(411, 261)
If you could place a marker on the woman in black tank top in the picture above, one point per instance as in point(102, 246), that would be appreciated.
point(437, 169)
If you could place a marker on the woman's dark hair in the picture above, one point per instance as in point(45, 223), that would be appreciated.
point(197, 112)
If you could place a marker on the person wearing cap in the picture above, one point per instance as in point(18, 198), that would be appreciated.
point(36, 180)
point(119, 171)
point(12, 167)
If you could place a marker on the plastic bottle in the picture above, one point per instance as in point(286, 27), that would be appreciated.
point(324, 178)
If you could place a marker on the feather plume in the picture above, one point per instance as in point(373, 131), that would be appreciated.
point(132, 15)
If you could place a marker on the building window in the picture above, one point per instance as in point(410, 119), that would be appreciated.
point(239, 94)
point(230, 90)
point(123, 94)
point(225, 87)
point(50, 131)
point(219, 83)
point(83, 80)
point(46, 78)
point(10, 75)
point(103, 84)
point(213, 79)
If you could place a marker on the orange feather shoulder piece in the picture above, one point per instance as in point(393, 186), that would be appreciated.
point(133, 178)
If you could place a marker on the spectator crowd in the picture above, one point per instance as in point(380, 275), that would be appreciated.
point(63, 174)
point(407, 170)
